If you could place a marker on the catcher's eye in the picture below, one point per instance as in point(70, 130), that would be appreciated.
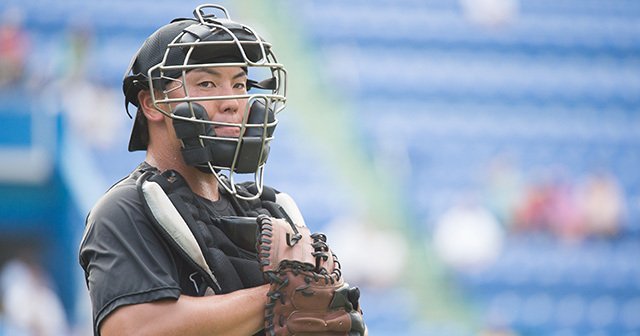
point(207, 84)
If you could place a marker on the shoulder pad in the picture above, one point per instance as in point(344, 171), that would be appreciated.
point(290, 207)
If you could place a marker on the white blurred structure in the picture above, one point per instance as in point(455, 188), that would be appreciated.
point(490, 12)
point(367, 255)
point(468, 237)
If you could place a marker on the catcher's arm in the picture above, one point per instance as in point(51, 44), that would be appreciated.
point(237, 313)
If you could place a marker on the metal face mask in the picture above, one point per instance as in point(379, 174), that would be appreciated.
point(207, 43)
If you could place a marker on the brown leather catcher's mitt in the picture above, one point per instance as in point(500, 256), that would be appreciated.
point(308, 295)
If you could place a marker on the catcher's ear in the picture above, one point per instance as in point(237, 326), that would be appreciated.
point(146, 104)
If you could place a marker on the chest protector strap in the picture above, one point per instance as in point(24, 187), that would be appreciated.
point(173, 227)
point(224, 269)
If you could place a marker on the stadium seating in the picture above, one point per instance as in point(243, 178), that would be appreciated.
point(556, 86)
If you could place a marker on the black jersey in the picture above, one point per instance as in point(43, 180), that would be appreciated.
point(126, 261)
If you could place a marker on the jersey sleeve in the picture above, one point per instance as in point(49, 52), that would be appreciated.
point(124, 259)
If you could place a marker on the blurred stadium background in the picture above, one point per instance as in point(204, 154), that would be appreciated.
point(474, 162)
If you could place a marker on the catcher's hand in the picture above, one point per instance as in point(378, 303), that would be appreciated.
point(308, 294)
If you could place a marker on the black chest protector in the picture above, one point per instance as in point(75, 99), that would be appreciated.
point(221, 247)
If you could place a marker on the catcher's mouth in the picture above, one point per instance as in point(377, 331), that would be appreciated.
point(227, 131)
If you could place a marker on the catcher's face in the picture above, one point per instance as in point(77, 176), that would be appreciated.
point(215, 82)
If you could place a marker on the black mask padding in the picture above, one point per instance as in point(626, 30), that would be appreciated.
point(199, 152)
point(256, 116)
point(194, 150)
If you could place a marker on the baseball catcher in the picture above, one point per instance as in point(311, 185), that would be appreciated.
point(178, 247)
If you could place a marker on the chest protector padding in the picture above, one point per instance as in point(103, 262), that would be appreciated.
point(227, 242)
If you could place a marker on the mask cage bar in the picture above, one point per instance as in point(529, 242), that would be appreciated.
point(201, 16)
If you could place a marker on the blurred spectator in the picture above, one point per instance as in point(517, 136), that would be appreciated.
point(531, 213)
point(571, 211)
point(550, 206)
point(564, 218)
point(602, 204)
point(30, 306)
point(13, 48)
